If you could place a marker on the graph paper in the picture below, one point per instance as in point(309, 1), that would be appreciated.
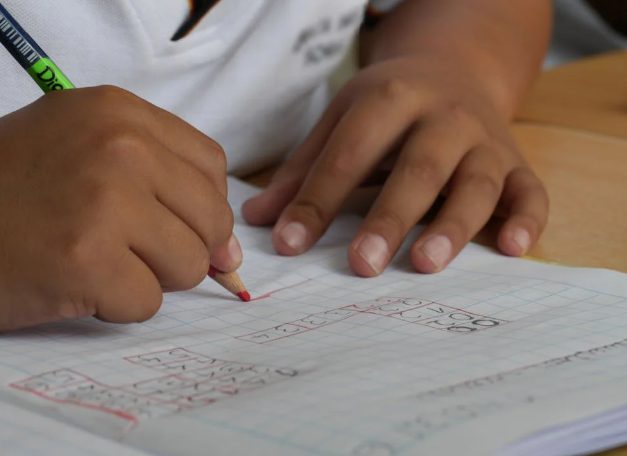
point(326, 363)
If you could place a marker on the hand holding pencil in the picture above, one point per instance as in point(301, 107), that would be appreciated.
point(103, 213)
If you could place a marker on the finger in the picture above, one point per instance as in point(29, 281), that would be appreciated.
point(228, 257)
point(367, 132)
point(27, 314)
point(426, 163)
point(527, 205)
point(175, 254)
point(473, 195)
point(128, 293)
point(182, 188)
point(265, 208)
point(174, 134)
point(200, 204)
point(192, 145)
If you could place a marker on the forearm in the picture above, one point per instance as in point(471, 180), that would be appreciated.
point(498, 44)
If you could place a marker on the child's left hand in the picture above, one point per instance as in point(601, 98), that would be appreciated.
point(445, 136)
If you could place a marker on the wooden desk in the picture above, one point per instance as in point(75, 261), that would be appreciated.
point(588, 95)
point(586, 177)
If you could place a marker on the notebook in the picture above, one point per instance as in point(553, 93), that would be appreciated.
point(492, 356)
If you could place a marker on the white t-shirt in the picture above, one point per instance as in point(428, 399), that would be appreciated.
point(251, 74)
point(580, 32)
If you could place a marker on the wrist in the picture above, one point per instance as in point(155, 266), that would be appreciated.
point(480, 73)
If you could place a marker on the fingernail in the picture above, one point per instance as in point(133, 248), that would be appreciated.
point(522, 238)
point(438, 250)
point(294, 234)
point(235, 250)
point(374, 250)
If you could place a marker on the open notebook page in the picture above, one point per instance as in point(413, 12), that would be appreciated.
point(467, 361)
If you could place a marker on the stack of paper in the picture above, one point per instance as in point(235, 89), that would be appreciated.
point(601, 432)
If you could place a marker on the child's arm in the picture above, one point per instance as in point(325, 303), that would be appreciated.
point(497, 45)
point(442, 79)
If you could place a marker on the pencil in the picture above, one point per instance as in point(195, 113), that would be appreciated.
point(49, 78)
point(230, 281)
point(30, 56)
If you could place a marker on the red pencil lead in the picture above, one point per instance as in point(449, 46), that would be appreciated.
point(231, 282)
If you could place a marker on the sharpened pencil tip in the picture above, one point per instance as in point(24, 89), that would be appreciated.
point(244, 296)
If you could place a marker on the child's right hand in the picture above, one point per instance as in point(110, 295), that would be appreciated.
point(106, 201)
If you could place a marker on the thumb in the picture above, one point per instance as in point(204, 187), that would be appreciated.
point(228, 257)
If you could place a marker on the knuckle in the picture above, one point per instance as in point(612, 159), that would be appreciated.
point(226, 222)
point(458, 229)
point(483, 183)
point(110, 96)
point(532, 183)
point(73, 308)
point(457, 112)
point(213, 161)
point(220, 163)
point(103, 197)
point(391, 223)
point(342, 166)
point(218, 224)
point(123, 145)
point(457, 119)
point(82, 243)
point(540, 193)
point(229, 220)
point(217, 153)
point(312, 212)
point(80, 253)
point(425, 169)
point(397, 88)
point(116, 138)
point(214, 164)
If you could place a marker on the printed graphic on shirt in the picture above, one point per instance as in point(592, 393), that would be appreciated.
point(326, 39)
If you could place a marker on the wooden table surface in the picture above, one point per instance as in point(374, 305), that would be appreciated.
point(588, 95)
point(573, 131)
point(586, 177)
